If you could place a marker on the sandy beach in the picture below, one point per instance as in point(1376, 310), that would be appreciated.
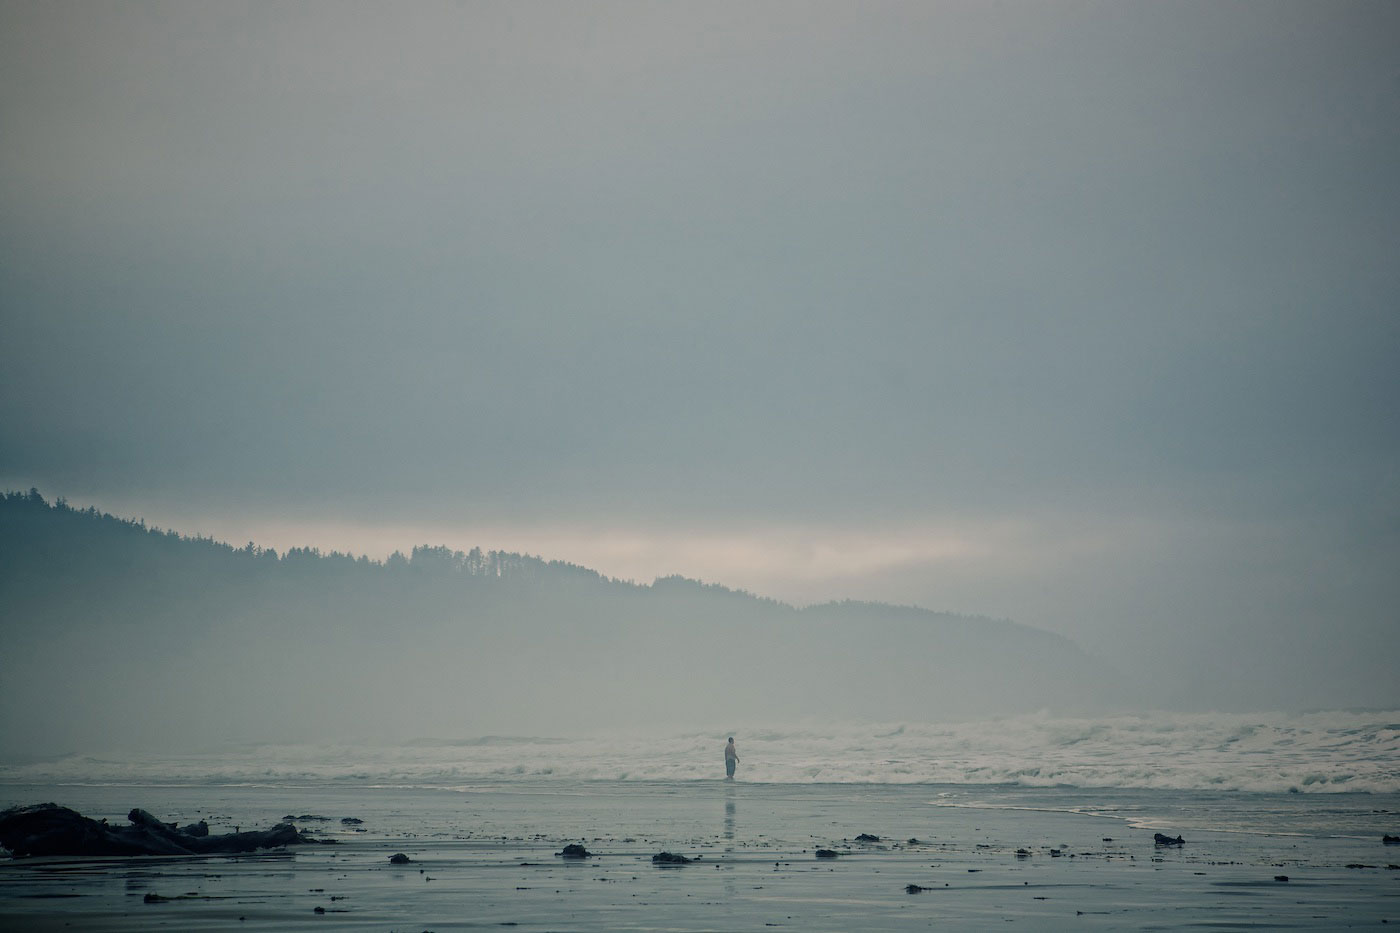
point(485, 857)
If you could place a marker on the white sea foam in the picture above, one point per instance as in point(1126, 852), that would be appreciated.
point(1335, 751)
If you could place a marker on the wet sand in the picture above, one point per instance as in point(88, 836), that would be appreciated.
point(485, 858)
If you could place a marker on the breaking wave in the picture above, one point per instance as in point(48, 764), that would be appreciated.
point(1334, 751)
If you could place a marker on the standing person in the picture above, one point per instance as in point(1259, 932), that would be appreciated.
point(731, 758)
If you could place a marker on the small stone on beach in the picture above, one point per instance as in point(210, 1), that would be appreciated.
point(670, 858)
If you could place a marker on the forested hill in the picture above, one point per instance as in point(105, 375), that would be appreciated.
point(117, 633)
point(39, 536)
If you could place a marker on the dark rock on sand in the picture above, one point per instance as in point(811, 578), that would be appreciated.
point(1391, 840)
point(574, 850)
point(1280, 877)
point(1022, 853)
point(351, 821)
point(827, 853)
point(398, 858)
point(914, 889)
point(1159, 839)
point(670, 858)
point(48, 829)
point(866, 837)
point(306, 818)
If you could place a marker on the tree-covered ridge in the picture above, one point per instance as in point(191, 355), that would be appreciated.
point(33, 529)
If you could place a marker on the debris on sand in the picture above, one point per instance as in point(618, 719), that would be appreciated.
point(154, 898)
point(48, 829)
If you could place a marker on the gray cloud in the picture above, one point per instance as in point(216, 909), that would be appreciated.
point(806, 265)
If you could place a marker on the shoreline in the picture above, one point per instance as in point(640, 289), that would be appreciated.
point(489, 857)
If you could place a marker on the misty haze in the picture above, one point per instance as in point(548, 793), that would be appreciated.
point(305, 647)
point(436, 430)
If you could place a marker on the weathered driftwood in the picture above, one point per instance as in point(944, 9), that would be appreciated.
point(48, 829)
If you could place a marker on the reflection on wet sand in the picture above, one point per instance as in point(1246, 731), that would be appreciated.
point(729, 811)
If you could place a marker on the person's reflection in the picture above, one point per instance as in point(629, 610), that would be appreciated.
point(729, 825)
point(729, 840)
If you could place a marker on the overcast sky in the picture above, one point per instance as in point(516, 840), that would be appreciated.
point(1084, 314)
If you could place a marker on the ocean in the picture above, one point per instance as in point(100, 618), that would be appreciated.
point(1310, 753)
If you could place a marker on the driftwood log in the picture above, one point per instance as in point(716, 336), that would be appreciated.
point(48, 829)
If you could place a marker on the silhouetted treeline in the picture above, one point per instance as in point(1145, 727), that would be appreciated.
point(35, 532)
